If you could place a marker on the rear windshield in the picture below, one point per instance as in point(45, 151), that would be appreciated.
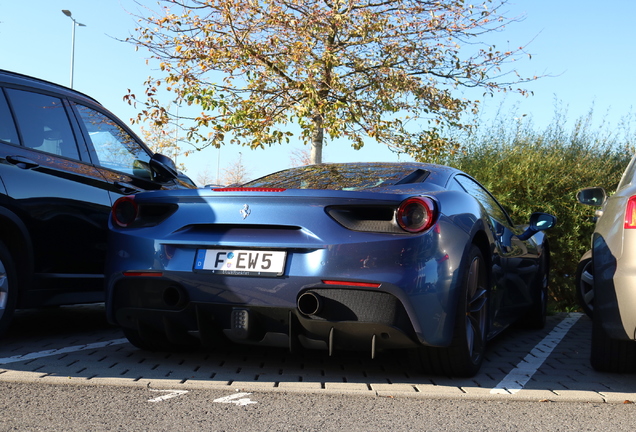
point(341, 176)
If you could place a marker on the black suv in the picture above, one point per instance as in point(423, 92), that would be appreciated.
point(64, 160)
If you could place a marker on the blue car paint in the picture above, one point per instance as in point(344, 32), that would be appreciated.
point(397, 263)
point(422, 271)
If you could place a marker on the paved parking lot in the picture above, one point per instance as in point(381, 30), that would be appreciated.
point(75, 346)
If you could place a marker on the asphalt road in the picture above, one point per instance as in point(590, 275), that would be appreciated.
point(42, 407)
point(75, 346)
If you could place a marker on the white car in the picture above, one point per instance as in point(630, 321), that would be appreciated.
point(612, 275)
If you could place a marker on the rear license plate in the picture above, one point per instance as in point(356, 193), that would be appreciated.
point(241, 262)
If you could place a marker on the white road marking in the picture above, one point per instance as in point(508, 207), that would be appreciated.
point(526, 368)
point(237, 398)
point(170, 395)
point(65, 350)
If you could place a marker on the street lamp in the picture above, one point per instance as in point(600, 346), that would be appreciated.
point(75, 23)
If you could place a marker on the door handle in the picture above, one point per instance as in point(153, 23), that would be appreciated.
point(22, 162)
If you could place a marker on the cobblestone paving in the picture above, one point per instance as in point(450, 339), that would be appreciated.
point(76, 346)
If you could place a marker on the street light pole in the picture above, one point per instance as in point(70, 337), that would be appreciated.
point(75, 23)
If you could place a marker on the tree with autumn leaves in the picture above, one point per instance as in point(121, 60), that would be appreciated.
point(389, 70)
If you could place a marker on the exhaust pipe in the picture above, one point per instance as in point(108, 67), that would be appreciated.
point(173, 296)
point(309, 303)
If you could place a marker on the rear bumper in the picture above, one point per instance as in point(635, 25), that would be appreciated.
point(614, 291)
point(615, 303)
point(347, 319)
point(416, 272)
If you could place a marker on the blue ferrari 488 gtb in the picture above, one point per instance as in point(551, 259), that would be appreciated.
point(365, 256)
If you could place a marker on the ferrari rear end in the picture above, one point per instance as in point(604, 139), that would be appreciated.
point(331, 270)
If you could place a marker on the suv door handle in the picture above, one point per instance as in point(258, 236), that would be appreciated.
point(22, 162)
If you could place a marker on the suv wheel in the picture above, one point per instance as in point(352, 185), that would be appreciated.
point(8, 288)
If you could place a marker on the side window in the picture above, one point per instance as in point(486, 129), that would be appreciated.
point(483, 196)
point(44, 123)
point(114, 147)
point(8, 133)
point(455, 186)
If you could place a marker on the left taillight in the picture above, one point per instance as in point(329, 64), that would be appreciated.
point(416, 214)
point(128, 212)
point(630, 213)
point(125, 211)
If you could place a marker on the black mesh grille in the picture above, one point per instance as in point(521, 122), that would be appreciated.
point(366, 218)
point(359, 305)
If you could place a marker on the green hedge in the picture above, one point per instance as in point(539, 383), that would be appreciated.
point(542, 171)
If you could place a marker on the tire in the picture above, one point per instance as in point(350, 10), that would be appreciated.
point(463, 358)
point(147, 338)
point(584, 283)
point(8, 288)
point(611, 355)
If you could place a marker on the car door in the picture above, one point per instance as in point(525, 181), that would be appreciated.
point(515, 262)
point(62, 199)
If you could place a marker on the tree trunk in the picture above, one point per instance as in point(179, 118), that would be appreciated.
point(316, 141)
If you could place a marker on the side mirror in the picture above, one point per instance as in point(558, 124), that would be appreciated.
point(594, 196)
point(141, 170)
point(163, 167)
point(538, 222)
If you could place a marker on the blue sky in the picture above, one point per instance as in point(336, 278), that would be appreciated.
point(587, 48)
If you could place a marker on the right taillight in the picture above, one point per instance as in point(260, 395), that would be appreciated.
point(630, 213)
point(125, 211)
point(416, 214)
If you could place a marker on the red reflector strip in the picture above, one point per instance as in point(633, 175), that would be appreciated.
point(348, 283)
point(143, 274)
point(442, 259)
point(630, 213)
point(239, 189)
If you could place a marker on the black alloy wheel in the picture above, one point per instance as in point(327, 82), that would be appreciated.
point(463, 358)
point(476, 317)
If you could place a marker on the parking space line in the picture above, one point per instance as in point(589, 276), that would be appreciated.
point(237, 399)
point(65, 350)
point(526, 368)
point(170, 394)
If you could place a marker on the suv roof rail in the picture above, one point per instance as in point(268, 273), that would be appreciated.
point(43, 83)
